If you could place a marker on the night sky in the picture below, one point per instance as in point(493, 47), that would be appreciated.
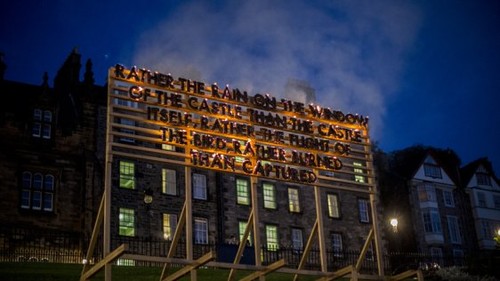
point(426, 72)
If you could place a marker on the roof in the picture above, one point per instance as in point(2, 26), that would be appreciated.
point(468, 171)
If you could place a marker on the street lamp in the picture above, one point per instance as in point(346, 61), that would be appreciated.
point(394, 223)
point(497, 238)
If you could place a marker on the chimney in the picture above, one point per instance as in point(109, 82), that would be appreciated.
point(3, 66)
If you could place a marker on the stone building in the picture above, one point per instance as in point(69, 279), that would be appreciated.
point(51, 161)
point(53, 174)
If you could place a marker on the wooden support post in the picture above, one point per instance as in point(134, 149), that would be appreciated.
point(189, 218)
point(364, 250)
point(321, 232)
point(108, 182)
point(255, 211)
point(268, 269)
point(373, 205)
point(309, 243)
point(175, 240)
point(242, 245)
point(104, 262)
point(339, 273)
point(95, 233)
point(189, 268)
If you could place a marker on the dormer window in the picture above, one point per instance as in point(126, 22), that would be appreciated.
point(432, 171)
point(42, 123)
point(482, 177)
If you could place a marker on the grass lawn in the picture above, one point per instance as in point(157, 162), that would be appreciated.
point(68, 272)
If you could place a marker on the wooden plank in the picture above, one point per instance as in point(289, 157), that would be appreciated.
point(95, 233)
point(407, 274)
point(195, 264)
point(175, 240)
point(364, 250)
point(105, 261)
point(270, 268)
point(307, 249)
point(339, 273)
point(242, 244)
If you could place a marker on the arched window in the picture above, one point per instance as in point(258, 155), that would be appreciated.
point(37, 191)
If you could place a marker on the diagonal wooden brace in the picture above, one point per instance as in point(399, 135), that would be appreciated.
point(107, 259)
point(407, 274)
point(339, 273)
point(188, 268)
point(268, 269)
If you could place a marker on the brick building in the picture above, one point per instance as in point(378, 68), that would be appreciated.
point(53, 174)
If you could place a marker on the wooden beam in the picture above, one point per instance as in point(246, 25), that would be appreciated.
point(95, 233)
point(105, 261)
point(242, 245)
point(195, 264)
point(407, 274)
point(309, 243)
point(175, 240)
point(364, 250)
point(268, 269)
point(339, 273)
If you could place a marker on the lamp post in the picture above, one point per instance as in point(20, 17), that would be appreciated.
point(394, 223)
point(497, 238)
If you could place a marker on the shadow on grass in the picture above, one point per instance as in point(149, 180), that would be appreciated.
point(68, 272)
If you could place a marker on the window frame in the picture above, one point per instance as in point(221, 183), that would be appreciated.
point(269, 195)
point(294, 199)
point(199, 186)
point(432, 171)
point(200, 231)
point(272, 238)
point(126, 222)
point(127, 179)
point(169, 182)
point(37, 191)
point(242, 191)
point(333, 209)
point(364, 210)
point(169, 225)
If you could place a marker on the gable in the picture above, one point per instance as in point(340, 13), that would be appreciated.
point(431, 171)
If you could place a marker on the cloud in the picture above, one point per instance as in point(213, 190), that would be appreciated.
point(351, 52)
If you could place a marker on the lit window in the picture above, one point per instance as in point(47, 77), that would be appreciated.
point(167, 147)
point(359, 171)
point(168, 182)
point(272, 237)
point(127, 174)
point(333, 206)
point(432, 221)
point(269, 195)
point(293, 200)
point(126, 222)
point(432, 171)
point(125, 262)
point(297, 240)
point(200, 231)
point(454, 230)
point(169, 225)
point(242, 191)
point(427, 193)
point(241, 229)
point(363, 210)
point(337, 244)
point(199, 186)
point(37, 192)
